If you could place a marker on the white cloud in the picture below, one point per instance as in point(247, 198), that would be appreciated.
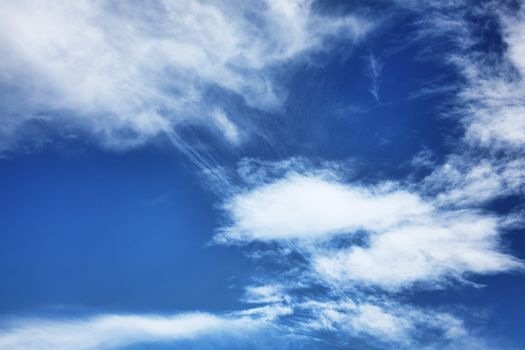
point(514, 32)
point(127, 72)
point(430, 252)
point(410, 240)
point(494, 111)
point(423, 159)
point(359, 319)
point(117, 331)
point(406, 241)
point(264, 294)
point(373, 70)
point(461, 182)
point(373, 319)
point(489, 99)
point(227, 127)
point(301, 206)
point(417, 236)
point(388, 323)
point(494, 93)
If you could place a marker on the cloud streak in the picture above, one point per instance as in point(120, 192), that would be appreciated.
point(114, 331)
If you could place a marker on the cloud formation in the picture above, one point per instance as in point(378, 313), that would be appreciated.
point(488, 102)
point(302, 207)
point(363, 245)
point(127, 72)
point(408, 239)
point(360, 247)
point(114, 331)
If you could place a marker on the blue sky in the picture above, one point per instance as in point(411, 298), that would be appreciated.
point(274, 174)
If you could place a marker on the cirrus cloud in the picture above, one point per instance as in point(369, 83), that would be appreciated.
point(127, 72)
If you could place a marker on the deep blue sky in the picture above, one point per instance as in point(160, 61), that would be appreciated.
point(91, 224)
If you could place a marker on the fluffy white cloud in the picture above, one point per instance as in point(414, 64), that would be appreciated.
point(409, 239)
point(129, 71)
point(420, 235)
point(431, 252)
point(302, 206)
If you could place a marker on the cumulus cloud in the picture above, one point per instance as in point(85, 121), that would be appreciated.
point(409, 239)
point(362, 245)
point(410, 236)
point(429, 252)
point(302, 207)
point(126, 72)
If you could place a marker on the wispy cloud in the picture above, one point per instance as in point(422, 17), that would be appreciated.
point(385, 324)
point(373, 70)
point(360, 246)
point(488, 101)
point(420, 239)
point(114, 331)
point(347, 249)
point(126, 73)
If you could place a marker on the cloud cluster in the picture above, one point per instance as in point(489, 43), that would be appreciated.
point(348, 249)
point(408, 239)
point(126, 72)
point(361, 247)
point(488, 158)
point(387, 322)
point(494, 94)
point(428, 252)
point(363, 244)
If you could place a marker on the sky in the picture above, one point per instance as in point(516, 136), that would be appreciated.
point(271, 174)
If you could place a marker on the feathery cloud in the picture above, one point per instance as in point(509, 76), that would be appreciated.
point(114, 331)
point(127, 72)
